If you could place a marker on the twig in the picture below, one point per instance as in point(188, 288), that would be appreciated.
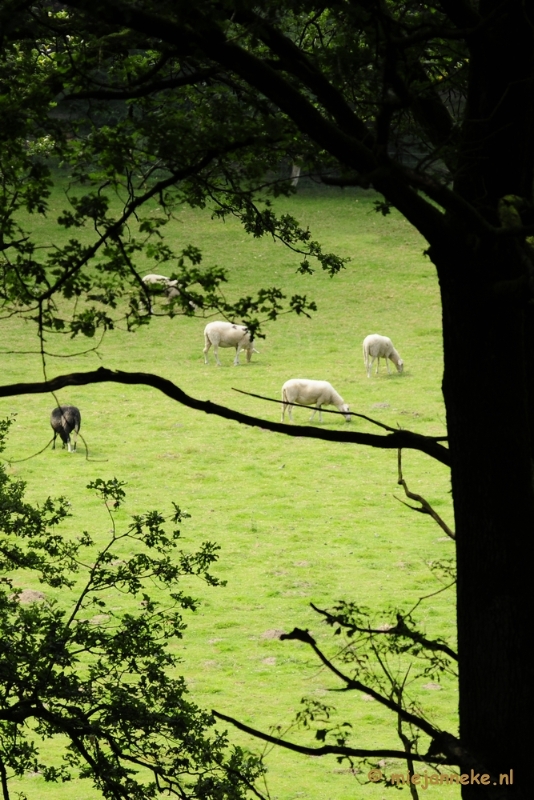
point(426, 508)
point(342, 413)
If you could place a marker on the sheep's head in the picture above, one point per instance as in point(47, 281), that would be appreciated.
point(345, 411)
point(400, 365)
point(249, 347)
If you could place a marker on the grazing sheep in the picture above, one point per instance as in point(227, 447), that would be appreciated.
point(226, 334)
point(306, 392)
point(152, 279)
point(64, 420)
point(376, 346)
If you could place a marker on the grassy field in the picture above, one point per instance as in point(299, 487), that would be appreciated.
point(297, 520)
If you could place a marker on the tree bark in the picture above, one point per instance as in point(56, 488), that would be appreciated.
point(486, 390)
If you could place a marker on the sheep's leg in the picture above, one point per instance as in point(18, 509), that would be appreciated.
point(206, 348)
point(377, 364)
point(317, 408)
point(216, 353)
point(387, 365)
point(236, 359)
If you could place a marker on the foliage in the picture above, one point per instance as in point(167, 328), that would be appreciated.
point(76, 668)
point(132, 162)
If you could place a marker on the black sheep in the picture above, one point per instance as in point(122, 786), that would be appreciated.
point(64, 420)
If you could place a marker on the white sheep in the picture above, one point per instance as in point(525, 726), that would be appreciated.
point(306, 392)
point(64, 421)
point(376, 346)
point(153, 282)
point(226, 334)
point(152, 279)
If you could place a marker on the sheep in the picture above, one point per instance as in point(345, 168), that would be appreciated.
point(152, 279)
point(226, 334)
point(153, 282)
point(376, 346)
point(306, 392)
point(64, 420)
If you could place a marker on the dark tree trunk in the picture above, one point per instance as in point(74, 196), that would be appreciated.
point(486, 394)
point(488, 391)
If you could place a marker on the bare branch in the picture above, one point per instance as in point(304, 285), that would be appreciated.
point(408, 744)
point(341, 413)
point(426, 508)
point(400, 629)
point(313, 408)
point(145, 89)
point(4, 780)
point(326, 749)
point(399, 438)
point(304, 636)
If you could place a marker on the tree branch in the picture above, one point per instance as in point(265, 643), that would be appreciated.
point(295, 61)
point(326, 749)
point(426, 507)
point(400, 629)
point(304, 636)
point(4, 780)
point(396, 439)
point(143, 90)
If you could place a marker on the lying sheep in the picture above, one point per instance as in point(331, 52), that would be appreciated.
point(306, 392)
point(64, 420)
point(376, 346)
point(226, 334)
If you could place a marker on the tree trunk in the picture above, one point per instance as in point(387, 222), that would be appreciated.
point(488, 389)
point(486, 392)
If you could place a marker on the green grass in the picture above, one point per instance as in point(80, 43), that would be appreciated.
point(297, 520)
